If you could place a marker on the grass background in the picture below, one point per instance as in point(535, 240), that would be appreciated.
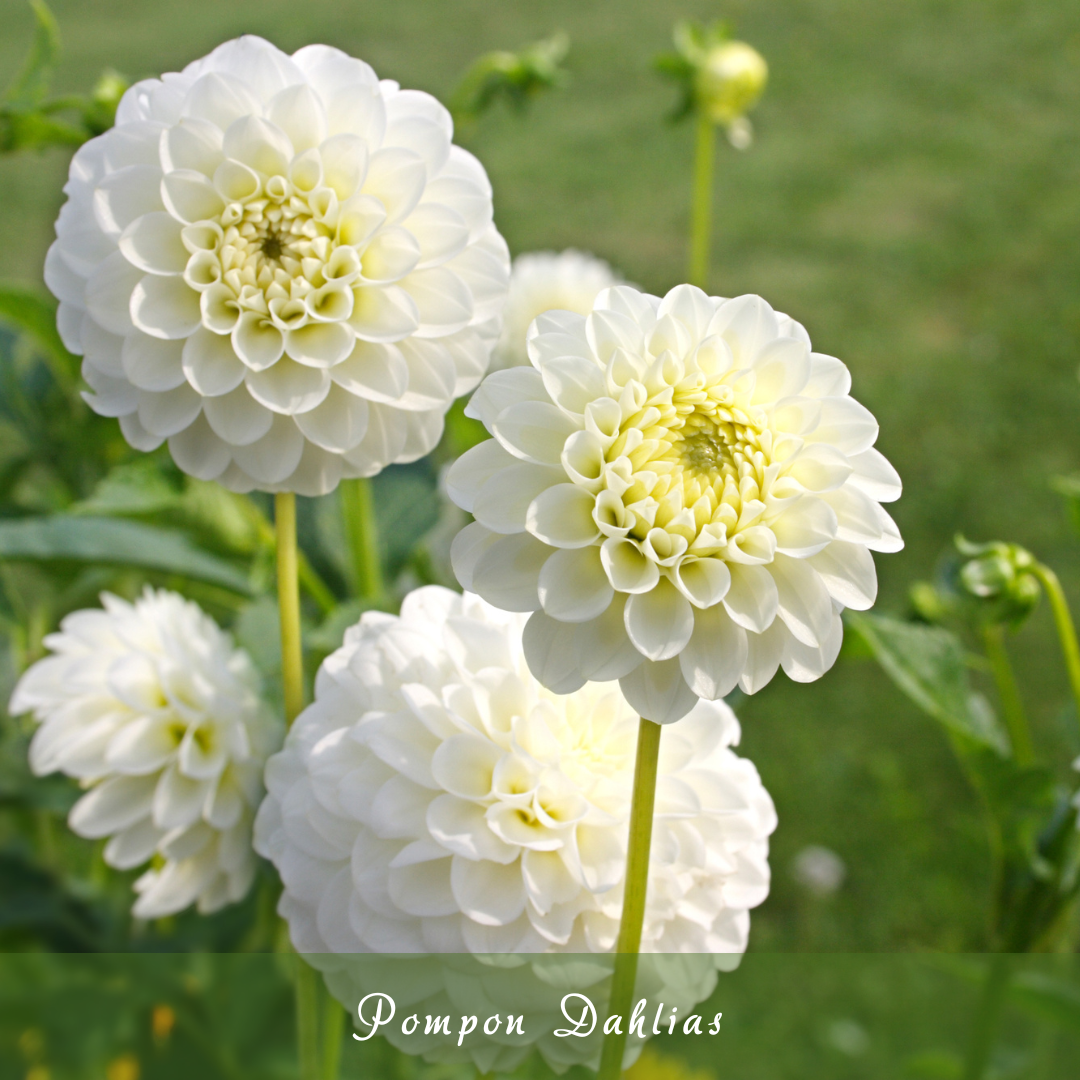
point(912, 198)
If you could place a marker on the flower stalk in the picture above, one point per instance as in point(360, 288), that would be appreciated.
point(1066, 629)
point(292, 658)
point(628, 944)
point(361, 531)
point(307, 1019)
point(1012, 706)
point(701, 204)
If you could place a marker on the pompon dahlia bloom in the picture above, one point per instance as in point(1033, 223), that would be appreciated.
point(683, 494)
point(540, 281)
point(151, 707)
point(281, 265)
point(436, 798)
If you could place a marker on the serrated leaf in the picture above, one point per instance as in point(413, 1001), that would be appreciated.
point(106, 541)
point(927, 663)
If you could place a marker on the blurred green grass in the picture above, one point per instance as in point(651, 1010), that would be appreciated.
point(912, 198)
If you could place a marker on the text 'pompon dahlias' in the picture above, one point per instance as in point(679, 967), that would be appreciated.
point(540, 281)
point(436, 798)
point(681, 491)
point(281, 265)
point(151, 707)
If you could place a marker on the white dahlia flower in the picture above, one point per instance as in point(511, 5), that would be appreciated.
point(681, 491)
point(436, 798)
point(151, 707)
point(540, 281)
point(281, 265)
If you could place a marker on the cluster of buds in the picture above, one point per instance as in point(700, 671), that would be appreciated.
point(720, 79)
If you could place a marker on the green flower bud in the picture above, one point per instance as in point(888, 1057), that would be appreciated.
point(999, 577)
point(730, 78)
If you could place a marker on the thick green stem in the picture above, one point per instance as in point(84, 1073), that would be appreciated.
point(1012, 706)
point(307, 1019)
point(701, 206)
point(985, 1026)
point(292, 659)
point(358, 510)
point(1065, 628)
point(637, 883)
point(333, 1028)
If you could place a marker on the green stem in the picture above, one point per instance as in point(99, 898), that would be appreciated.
point(292, 658)
point(701, 205)
point(1012, 706)
point(987, 1015)
point(358, 511)
point(307, 1019)
point(1065, 628)
point(333, 1028)
point(637, 882)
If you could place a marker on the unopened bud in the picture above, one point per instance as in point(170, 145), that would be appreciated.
point(1000, 575)
point(730, 79)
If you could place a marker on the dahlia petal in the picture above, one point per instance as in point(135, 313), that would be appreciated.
point(237, 417)
point(752, 601)
point(102, 349)
point(473, 469)
point(804, 527)
point(609, 330)
point(112, 805)
point(487, 893)
point(547, 881)
point(573, 383)
point(165, 307)
point(470, 201)
point(259, 144)
point(562, 516)
point(111, 397)
point(272, 458)
point(659, 621)
point(381, 445)
point(337, 424)
point(192, 145)
point(221, 99)
point(847, 571)
point(861, 520)
point(502, 502)
point(534, 431)
point(464, 764)
point(502, 389)
point(79, 238)
point(318, 472)
point(132, 846)
point(288, 387)
point(109, 292)
point(383, 313)
point(627, 568)
point(829, 377)
point(440, 231)
point(396, 177)
point(704, 582)
point(602, 647)
point(152, 364)
point(716, 654)
point(691, 306)
point(298, 112)
point(875, 477)
point(549, 651)
point(443, 301)
point(137, 436)
point(257, 342)
point(658, 692)
point(423, 430)
point(763, 657)
point(466, 549)
point(573, 586)
point(125, 195)
point(320, 345)
point(210, 363)
point(781, 369)
point(345, 163)
point(507, 572)
point(804, 603)
point(747, 324)
point(199, 451)
point(431, 375)
point(846, 425)
point(820, 467)
point(391, 254)
point(235, 182)
point(374, 371)
point(428, 139)
point(168, 412)
point(62, 281)
point(423, 889)
point(152, 243)
point(460, 826)
point(803, 663)
point(357, 110)
point(190, 196)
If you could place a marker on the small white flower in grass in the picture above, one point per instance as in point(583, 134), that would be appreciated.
point(435, 797)
point(683, 493)
point(819, 869)
point(541, 281)
point(280, 264)
point(152, 708)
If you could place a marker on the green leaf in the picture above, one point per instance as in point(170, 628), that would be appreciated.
point(34, 313)
point(65, 538)
point(33, 83)
point(927, 663)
